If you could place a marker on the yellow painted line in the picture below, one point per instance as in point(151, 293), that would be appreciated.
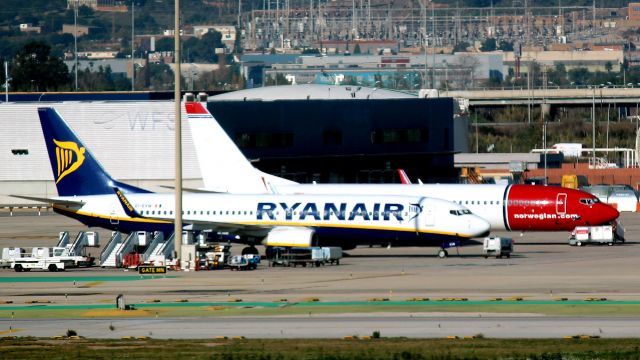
point(4, 332)
point(91, 284)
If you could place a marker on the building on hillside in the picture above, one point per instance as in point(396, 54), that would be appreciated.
point(404, 71)
point(30, 28)
point(94, 55)
point(78, 30)
point(634, 11)
point(89, 3)
point(592, 60)
point(112, 6)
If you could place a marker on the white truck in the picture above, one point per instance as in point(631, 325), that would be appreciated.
point(326, 255)
point(46, 258)
point(497, 246)
point(9, 254)
point(52, 264)
point(605, 234)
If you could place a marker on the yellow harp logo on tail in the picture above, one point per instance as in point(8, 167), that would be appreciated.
point(69, 157)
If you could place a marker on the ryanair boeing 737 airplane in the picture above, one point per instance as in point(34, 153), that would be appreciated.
point(88, 194)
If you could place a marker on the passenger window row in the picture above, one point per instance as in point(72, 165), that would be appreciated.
point(295, 213)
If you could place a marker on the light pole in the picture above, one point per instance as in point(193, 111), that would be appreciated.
point(178, 140)
point(425, 42)
point(433, 54)
point(75, 40)
point(133, 67)
point(593, 125)
point(6, 82)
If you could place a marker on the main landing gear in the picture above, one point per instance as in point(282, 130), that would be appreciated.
point(443, 253)
point(250, 250)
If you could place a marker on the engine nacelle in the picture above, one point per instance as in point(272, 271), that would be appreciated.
point(291, 236)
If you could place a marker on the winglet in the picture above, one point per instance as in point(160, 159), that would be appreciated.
point(126, 204)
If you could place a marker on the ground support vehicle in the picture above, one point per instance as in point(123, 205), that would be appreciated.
point(290, 256)
point(51, 263)
point(213, 257)
point(605, 234)
point(303, 256)
point(244, 262)
point(497, 246)
point(326, 255)
point(9, 254)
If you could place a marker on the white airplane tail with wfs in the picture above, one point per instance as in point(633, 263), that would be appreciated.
point(230, 171)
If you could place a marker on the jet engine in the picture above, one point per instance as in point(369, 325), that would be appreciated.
point(290, 236)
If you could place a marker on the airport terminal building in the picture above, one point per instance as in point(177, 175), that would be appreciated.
point(305, 133)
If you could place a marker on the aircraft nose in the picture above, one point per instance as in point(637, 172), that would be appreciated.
point(607, 214)
point(479, 227)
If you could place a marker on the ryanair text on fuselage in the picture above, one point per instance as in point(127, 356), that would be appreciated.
point(337, 211)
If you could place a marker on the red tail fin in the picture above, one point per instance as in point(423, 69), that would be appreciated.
point(403, 177)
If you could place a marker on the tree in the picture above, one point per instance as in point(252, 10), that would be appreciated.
point(461, 47)
point(101, 80)
point(558, 75)
point(505, 45)
point(580, 76)
point(307, 51)
point(356, 49)
point(489, 45)
point(279, 79)
point(155, 77)
point(35, 69)
point(203, 49)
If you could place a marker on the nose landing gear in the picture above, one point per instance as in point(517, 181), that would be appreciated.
point(443, 253)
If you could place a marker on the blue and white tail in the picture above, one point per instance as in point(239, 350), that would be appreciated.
point(75, 170)
point(223, 166)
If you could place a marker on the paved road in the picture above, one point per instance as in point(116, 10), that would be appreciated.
point(336, 326)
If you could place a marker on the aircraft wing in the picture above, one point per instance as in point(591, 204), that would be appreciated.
point(51, 201)
point(234, 228)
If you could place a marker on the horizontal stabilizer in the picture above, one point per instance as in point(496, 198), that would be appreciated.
point(194, 190)
point(51, 201)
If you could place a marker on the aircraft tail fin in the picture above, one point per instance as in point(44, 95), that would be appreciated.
point(75, 169)
point(403, 177)
point(223, 166)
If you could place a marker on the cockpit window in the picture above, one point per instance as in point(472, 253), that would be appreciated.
point(586, 201)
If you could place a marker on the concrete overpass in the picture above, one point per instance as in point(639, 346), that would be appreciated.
point(623, 96)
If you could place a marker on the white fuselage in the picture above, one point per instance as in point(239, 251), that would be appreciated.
point(393, 217)
point(486, 201)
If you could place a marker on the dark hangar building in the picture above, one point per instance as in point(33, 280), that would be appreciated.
point(345, 134)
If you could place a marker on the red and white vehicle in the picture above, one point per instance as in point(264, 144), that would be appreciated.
point(505, 207)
